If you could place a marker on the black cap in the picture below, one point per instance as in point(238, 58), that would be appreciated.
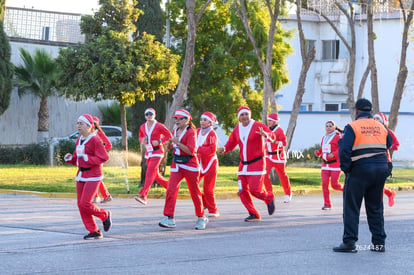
point(363, 105)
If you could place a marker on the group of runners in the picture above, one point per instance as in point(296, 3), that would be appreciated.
point(195, 160)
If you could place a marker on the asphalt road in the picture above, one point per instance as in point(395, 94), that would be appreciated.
point(45, 236)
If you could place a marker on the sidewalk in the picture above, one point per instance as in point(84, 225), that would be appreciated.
point(45, 235)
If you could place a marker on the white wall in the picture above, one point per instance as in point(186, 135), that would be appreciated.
point(18, 125)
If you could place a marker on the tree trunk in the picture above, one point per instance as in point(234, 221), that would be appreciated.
point(188, 65)
point(124, 133)
point(43, 121)
point(372, 62)
point(363, 81)
point(402, 74)
point(307, 58)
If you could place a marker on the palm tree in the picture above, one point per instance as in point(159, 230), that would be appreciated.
point(38, 75)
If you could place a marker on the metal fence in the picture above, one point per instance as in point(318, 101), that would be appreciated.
point(41, 25)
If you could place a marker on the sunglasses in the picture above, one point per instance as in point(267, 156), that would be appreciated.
point(180, 118)
point(149, 114)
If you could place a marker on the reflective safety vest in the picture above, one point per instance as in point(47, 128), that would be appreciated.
point(370, 138)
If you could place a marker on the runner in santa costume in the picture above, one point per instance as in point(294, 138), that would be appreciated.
point(276, 157)
point(108, 146)
point(251, 137)
point(89, 156)
point(330, 167)
point(184, 165)
point(153, 135)
point(395, 146)
point(206, 153)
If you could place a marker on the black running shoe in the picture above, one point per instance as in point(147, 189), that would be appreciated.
point(252, 218)
point(93, 236)
point(108, 222)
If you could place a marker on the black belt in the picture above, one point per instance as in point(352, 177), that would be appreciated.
point(251, 161)
point(156, 147)
point(84, 169)
point(329, 161)
point(274, 153)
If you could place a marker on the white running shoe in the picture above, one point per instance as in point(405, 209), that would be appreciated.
point(201, 223)
point(167, 223)
point(288, 198)
point(214, 215)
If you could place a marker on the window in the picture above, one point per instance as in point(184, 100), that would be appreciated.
point(330, 49)
point(344, 106)
point(331, 107)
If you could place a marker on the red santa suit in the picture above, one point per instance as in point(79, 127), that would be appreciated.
point(394, 147)
point(252, 167)
point(92, 155)
point(153, 154)
point(330, 167)
point(108, 146)
point(276, 158)
point(190, 171)
point(206, 153)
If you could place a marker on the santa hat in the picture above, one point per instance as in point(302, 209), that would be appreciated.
point(96, 120)
point(381, 118)
point(149, 110)
point(182, 113)
point(209, 116)
point(242, 110)
point(88, 119)
point(273, 116)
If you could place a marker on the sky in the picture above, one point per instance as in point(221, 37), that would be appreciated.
point(71, 6)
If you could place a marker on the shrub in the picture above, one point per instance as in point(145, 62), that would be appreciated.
point(35, 153)
point(61, 149)
point(230, 159)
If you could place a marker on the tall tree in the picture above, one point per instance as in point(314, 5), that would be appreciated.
point(6, 67)
point(152, 20)
point(111, 66)
point(223, 63)
point(407, 15)
point(307, 54)
point(38, 75)
point(271, 55)
point(193, 18)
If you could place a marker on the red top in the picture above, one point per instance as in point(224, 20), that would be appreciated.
point(252, 147)
point(188, 138)
point(329, 145)
point(157, 132)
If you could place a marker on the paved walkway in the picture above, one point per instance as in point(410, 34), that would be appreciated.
point(45, 236)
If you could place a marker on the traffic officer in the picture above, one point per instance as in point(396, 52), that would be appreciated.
point(363, 158)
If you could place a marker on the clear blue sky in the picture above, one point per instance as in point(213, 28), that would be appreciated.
point(72, 6)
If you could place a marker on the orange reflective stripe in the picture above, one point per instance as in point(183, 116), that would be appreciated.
point(370, 136)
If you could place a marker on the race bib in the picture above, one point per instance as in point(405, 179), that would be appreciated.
point(80, 149)
point(326, 149)
point(149, 148)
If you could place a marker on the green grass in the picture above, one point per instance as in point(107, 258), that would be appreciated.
point(61, 179)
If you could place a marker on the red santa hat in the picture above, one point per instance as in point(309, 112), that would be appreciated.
point(381, 117)
point(96, 120)
point(273, 116)
point(182, 113)
point(209, 116)
point(149, 110)
point(88, 119)
point(242, 110)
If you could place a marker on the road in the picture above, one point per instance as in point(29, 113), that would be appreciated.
point(45, 236)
